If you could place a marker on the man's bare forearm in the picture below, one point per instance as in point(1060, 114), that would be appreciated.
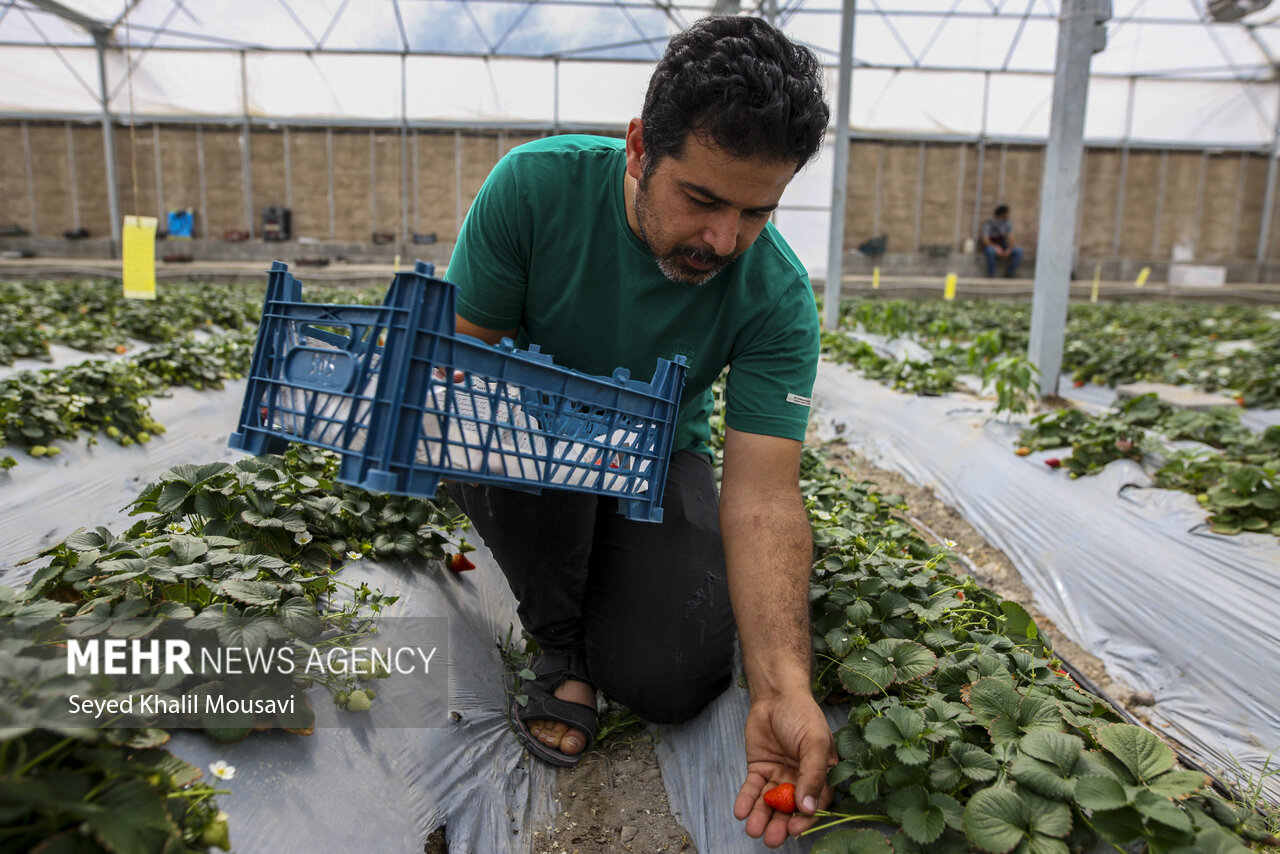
point(768, 549)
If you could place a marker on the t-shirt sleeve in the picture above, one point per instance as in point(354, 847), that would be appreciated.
point(490, 263)
point(770, 383)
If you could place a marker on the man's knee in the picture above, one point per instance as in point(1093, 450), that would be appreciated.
point(670, 703)
point(667, 692)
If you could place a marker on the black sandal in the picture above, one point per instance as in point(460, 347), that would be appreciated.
point(552, 670)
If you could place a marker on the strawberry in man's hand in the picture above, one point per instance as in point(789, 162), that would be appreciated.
point(782, 798)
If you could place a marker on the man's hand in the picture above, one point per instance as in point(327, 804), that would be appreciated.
point(788, 741)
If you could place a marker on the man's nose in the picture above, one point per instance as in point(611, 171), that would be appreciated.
point(721, 232)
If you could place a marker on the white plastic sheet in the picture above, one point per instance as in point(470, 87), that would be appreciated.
point(1189, 617)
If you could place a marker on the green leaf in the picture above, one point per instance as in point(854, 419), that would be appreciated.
point(993, 697)
point(1098, 793)
point(187, 549)
point(1212, 840)
point(974, 762)
point(910, 660)
point(865, 841)
point(944, 773)
point(996, 820)
point(849, 743)
point(299, 617)
point(841, 772)
point(172, 496)
point(1142, 752)
point(1057, 748)
point(1163, 811)
point(1042, 777)
point(132, 819)
point(1019, 626)
point(251, 592)
point(1048, 817)
point(1179, 784)
point(866, 671)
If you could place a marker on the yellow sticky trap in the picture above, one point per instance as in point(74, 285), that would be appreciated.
point(140, 257)
point(875, 277)
point(949, 289)
point(1097, 280)
point(1142, 277)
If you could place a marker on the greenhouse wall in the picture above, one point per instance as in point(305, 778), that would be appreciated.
point(347, 184)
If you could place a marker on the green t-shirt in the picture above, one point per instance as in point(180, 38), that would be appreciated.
point(546, 249)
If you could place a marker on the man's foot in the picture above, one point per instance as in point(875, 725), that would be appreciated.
point(557, 720)
point(560, 736)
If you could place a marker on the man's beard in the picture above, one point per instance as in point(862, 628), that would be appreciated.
point(673, 264)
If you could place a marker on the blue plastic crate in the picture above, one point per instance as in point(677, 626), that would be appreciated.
point(407, 400)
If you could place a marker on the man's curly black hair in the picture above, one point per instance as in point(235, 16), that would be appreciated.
point(740, 84)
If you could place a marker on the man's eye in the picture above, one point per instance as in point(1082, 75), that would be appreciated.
point(703, 204)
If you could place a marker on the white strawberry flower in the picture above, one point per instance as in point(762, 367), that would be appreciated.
point(302, 537)
point(222, 770)
point(354, 556)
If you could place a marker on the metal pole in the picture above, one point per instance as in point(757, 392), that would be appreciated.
point(1124, 169)
point(919, 198)
point(404, 149)
point(840, 170)
point(108, 147)
point(161, 214)
point(1264, 230)
point(957, 241)
point(246, 161)
point(72, 179)
point(1081, 33)
point(1239, 209)
point(1158, 215)
point(328, 160)
point(204, 186)
point(982, 154)
point(31, 177)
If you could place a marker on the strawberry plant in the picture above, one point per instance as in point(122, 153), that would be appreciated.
point(964, 732)
point(935, 377)
point(1233, 474)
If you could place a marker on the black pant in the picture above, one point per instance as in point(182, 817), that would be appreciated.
point(647, 603)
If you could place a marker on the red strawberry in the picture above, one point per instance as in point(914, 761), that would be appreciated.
point(782, 798)
point(1053, 462)
point(1078, 383)
point(460, 563)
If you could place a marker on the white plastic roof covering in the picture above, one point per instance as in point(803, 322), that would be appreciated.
point(1169, 75)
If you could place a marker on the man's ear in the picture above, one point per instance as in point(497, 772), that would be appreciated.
point(635, 148)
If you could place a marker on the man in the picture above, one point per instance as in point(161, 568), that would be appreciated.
point(611, 253)
point(997, 242)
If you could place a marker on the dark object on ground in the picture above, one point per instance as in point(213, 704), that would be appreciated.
point(424, 238)
point(177, 258)
point(311, 262)
point(937, 250)
point(874, 245)
point(277, 223)
point(383, 237)
point(17, 253)
point(76, 234)
point(235, 236)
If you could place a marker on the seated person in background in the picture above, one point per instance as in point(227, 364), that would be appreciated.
point(997, 242)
